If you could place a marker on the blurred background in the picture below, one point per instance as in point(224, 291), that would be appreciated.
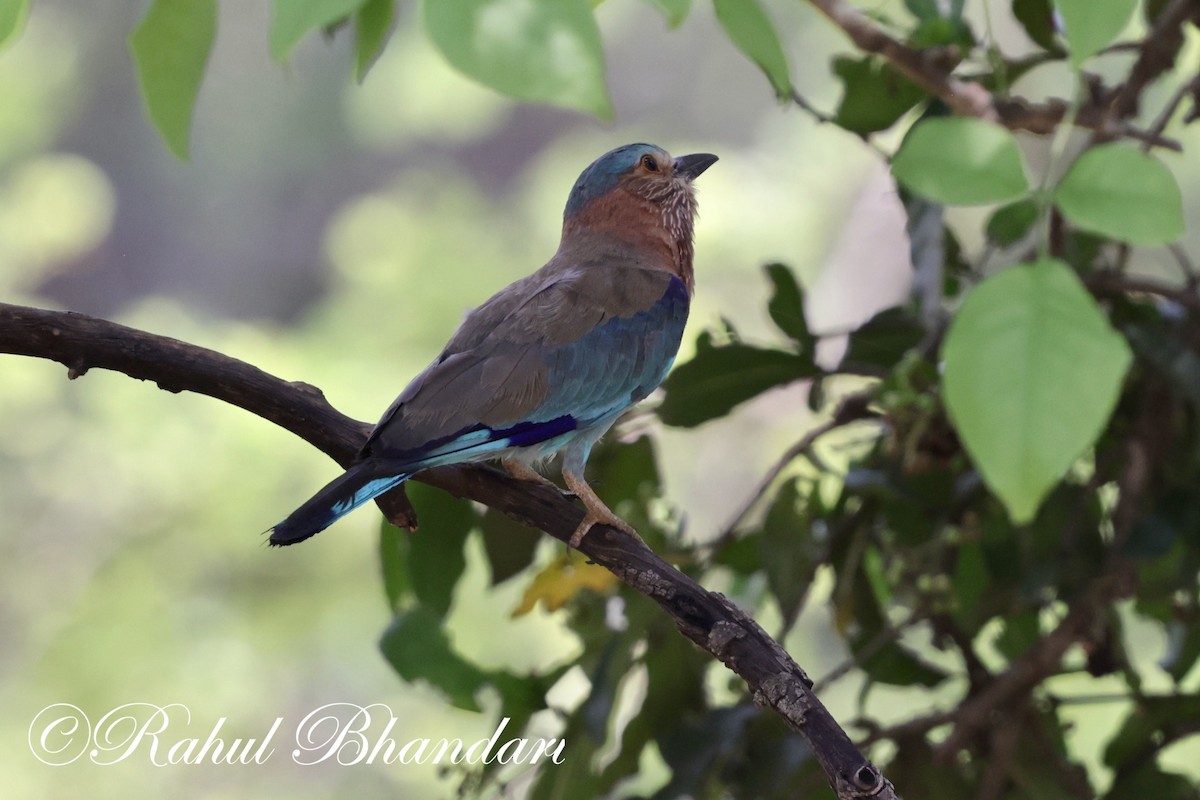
point(335, 234)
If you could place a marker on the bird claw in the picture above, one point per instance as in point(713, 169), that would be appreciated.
point(597, 512)
point(593, 518)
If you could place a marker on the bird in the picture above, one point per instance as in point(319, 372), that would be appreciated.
point(546, 365)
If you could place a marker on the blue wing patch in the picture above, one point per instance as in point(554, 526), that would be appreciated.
point(592, 380)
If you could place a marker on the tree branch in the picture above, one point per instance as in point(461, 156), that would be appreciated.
point(1156, 55)
point(923, 67)
point(852, 408)
point(1110, 282)
point(707, 618)
point(932, 70)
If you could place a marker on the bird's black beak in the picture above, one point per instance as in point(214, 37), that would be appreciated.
point(691, 166)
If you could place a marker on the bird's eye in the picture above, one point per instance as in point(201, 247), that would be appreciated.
point(649, 163)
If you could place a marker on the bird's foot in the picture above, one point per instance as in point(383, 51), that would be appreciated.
point(603, 518)
point(524, 472)
point(597, 512)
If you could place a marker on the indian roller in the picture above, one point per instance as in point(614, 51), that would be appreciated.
point(547, 365)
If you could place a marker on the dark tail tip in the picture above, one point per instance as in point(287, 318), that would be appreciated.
point(345, 493)
point(291, 532)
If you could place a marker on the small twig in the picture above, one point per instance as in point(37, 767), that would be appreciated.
point(932, 71)
point(905, 730)
point(852, 408)
point(1044, 118)
point(978, 675)
point(1090, 699)
point(816, 113)
point(1119, 47)
point(1109, 282)
point(1185, 265)
point(1156, 55)
point(885, 636)
point(974, 715)
point(1168, 110)
point(1003, 749)
point(927, 69)
point(1072, 777)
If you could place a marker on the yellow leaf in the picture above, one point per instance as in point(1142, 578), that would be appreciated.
point(565, 577)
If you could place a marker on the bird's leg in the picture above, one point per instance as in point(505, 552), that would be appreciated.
point(524, 472)
point(596, 510)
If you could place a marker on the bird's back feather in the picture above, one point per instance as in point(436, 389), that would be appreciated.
point(562, 350)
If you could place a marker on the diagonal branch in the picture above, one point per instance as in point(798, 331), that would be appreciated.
point(923, 67)
point(1156, 55)
point(707, 618)
point(932, 70)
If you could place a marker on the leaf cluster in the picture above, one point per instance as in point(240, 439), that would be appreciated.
point(1027, 451)
point(1024, 456)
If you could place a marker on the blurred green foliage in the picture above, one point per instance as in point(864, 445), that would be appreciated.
point(892, 554)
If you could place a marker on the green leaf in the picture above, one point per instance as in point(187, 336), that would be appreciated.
point(1018, 634)
point(1157, 530)
point(372, 25)
point(170, 49)
point(510, 546)
point(436, 559)
point(12, 18)
point(970, 582)
point(752, 32)
point(1150, 780)
point(896, 665)
point(1032, 370)
point(915, 766)
point(874, 95)
point(1150, 719)
point(789, 555)
point(545, 51)
point(923, 9)
point(961, 161)
point(786, 306)
point(860, 608)
point(1183, 648)
point(1163, 347)
point(394, 558)
point(1119, 191)
point(941, 32)
point(699, 749)
point(417, 648)
point(883, 660)
point(1037, 18)
point(675, 11)
point(291, 20)
point(882, 341)
point(719, 378)
point(1012, 223)
point(1089, 25)
point(742, 555)
point(521, 697)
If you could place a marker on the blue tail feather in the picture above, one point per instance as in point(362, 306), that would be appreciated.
point(356, 486)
